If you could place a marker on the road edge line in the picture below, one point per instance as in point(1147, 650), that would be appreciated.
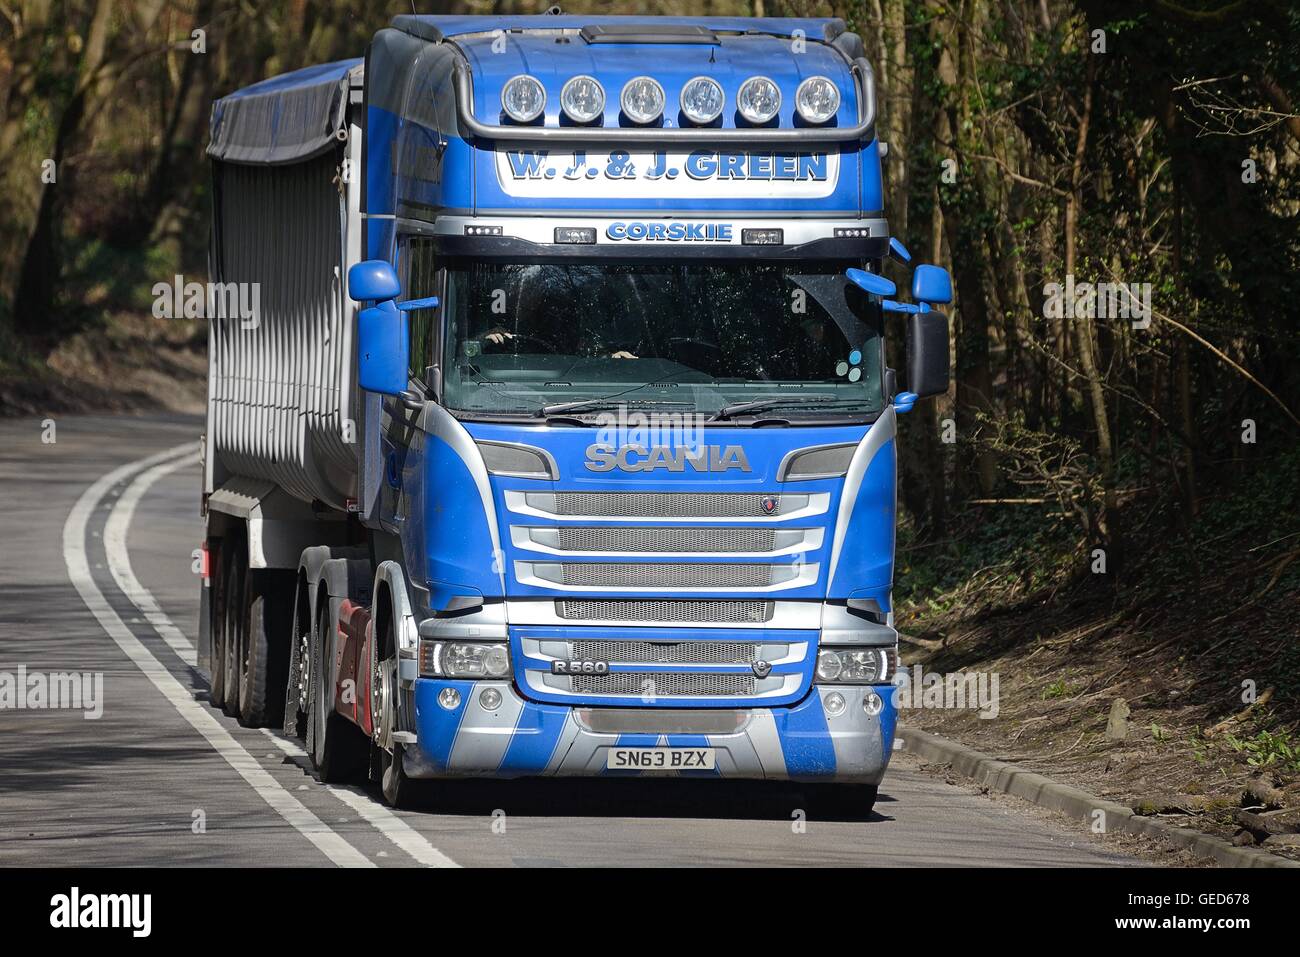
point(1076, 803)
point(76, 560)
point(400, 834)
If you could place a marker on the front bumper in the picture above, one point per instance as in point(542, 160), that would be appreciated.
point(522, 738)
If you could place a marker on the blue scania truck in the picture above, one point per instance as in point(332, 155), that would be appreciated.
point(563, 442)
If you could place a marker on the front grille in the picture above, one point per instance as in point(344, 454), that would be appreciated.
point(697, 575)
point(608, 609)
point(665, 504)
point(648, 539)
point(666, 652)
point(668, 684)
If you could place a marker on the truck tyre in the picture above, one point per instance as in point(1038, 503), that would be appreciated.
point(399, 791)
point(339, 751)
point(216, 631)
point(299, 672)
point(262, 665)
point(235, 622)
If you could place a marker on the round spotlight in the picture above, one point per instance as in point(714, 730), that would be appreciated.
point(834, 704)
point(873, 704)
point(817, 99)
point(642, 99)
point(582, 99)
point(759, 99)
point(702, 100)
point(449, 698)
point(496, 662)
point(829, 665)
point(523, 98)
point(489, 699)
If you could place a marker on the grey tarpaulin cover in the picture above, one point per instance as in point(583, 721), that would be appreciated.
point(285, 119)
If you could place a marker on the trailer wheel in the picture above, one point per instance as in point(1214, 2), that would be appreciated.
point(298, 678)
point(339, 751)
point(234, 625)
point(216, 629)
point(262, 664)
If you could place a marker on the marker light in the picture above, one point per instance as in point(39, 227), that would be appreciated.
point(523, 98)
point(759, 99)
point(642, 99)
point(702, 100)
point(582, 99)
point(817, 99)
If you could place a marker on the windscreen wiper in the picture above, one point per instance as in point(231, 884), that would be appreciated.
point(604, 402)
point(758, 405)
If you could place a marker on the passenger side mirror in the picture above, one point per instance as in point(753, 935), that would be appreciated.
point(383, 344)
point(927, 353)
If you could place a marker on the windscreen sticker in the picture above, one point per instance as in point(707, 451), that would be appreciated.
point(699, 174)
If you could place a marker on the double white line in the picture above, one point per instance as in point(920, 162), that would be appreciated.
point(150, 470)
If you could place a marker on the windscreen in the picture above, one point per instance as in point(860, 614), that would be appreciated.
point(792, 337)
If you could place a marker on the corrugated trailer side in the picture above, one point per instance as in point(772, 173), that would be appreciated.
point(283, 438)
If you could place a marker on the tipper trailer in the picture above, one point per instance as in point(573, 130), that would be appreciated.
point(562, 442)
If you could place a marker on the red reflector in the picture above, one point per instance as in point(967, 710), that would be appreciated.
point(204, 563)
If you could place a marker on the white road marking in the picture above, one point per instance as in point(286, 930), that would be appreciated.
point(119, 559)
point(405, 837)
point(259, 779)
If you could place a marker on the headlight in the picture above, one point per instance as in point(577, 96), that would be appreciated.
point(523, 98)
point(856, 665)
point(463, 659)
point(826, 461)
point(702, 100)
point(642, 99)
point(817, 99)
point(759, 99)
point(582, 99)
point(517, 461)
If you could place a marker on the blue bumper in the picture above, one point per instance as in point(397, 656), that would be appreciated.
point(520, 738)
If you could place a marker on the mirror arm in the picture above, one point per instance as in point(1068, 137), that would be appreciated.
point(411, 400)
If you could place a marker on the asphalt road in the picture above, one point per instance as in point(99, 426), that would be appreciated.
point(162, 778)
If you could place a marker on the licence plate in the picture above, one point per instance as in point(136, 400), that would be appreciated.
point(660, 759)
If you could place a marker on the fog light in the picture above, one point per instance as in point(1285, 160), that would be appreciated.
point(873, 704)
point(489, 699)
point(759, 99)
point(642, 99)
point(817, 99)
point(834, 704)
point(702, 100)
point(582, 99)
point(449, 698)
point(523, 98)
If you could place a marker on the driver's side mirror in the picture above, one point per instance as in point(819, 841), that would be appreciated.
point(927, 353)
point(383, 341)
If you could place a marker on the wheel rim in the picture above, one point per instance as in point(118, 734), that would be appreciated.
point(304, 672)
